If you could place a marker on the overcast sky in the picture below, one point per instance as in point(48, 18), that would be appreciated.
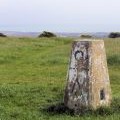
point(60, 15)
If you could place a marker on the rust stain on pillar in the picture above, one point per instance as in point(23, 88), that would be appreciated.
point(88, 82)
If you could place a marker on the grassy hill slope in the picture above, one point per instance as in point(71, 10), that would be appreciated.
point(33, 76)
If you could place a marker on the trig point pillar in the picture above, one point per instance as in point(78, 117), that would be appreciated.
point(88, 82)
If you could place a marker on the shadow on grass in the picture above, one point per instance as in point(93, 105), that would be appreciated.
point(113, 60)
point(60, 108)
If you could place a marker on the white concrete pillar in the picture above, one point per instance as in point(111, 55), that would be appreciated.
point(88, 82)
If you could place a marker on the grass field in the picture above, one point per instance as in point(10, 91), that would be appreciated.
point(33, 76)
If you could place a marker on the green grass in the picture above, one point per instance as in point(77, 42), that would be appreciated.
point(33, 76)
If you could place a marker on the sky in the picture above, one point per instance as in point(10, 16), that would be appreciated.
point(60, 15)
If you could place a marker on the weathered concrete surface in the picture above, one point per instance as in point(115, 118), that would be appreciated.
point(88, 82)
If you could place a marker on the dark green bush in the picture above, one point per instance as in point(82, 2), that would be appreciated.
point(2, 35)
point(86, 36)
point(47, 34)
point(114, 35)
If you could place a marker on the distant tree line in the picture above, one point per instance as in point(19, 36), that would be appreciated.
point(50, 34)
